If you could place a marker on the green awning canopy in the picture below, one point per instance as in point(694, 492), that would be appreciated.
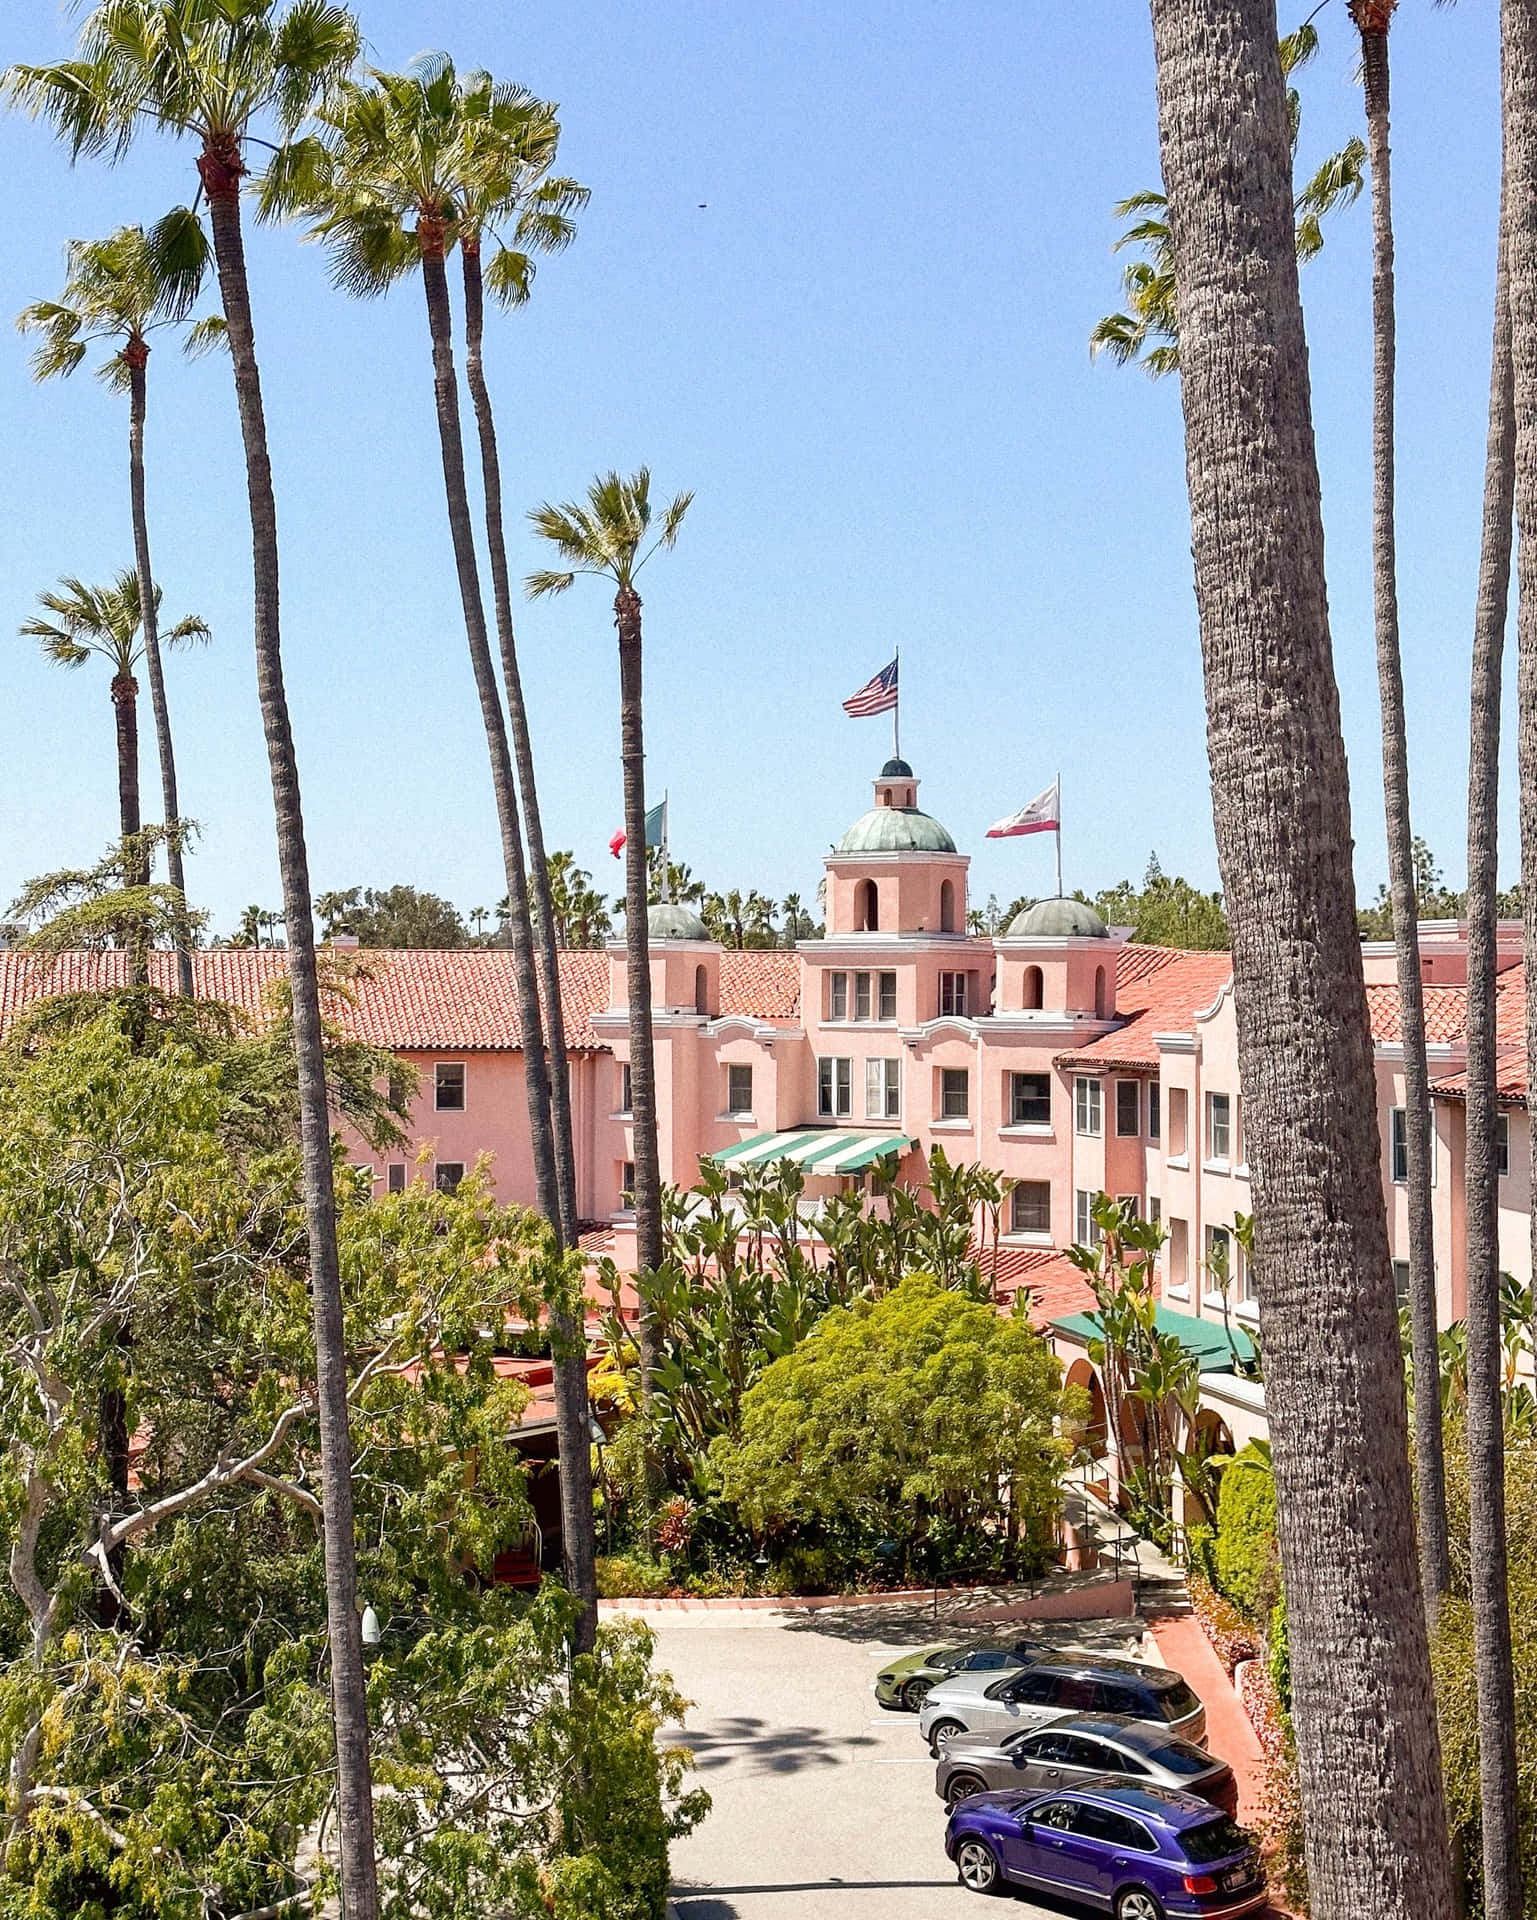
point(821, 1152)
point(1206, 1339)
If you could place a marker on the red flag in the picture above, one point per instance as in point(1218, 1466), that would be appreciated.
point(616, 845)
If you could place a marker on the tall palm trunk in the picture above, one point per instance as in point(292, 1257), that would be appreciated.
point(1372, 17)
point(1485, 1435)
point(136, 354)
point(1368, 1751)
point(221, 171)
point(573, 1412)
point(632, 748)
point(130, 818)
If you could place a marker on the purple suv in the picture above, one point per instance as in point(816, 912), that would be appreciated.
point(1138, 1852)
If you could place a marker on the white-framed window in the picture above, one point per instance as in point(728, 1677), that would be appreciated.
point(886, 996)
point(1030, 1207)
point(1088, 1099)
point(627, 1185)
point(1243, 1276)
point(883, 1089)
point(954, 1093)
point(1502, 1144)
point(395, 1176)
point(861, 996)
point(448, 1087)
point(837, 996)
point(625, 1092)
point(738, 1088)
point(1030, 1099)
point(1085, 1227)
point(1177, 1262)
point(835, 1087)
point(1219, 1126)
point(1154, 1209)
point(1154, 1110)
point(447, 1175)
point(1132, 1203)
point(953, 998)
point(1401, 1282)
point(1128, 1108)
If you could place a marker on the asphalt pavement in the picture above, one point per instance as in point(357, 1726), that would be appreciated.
point(824, 1805)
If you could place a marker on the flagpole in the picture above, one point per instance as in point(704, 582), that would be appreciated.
point(896, 712)
point(667, 854)
point(1059, 836)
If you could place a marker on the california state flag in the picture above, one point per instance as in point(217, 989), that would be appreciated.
point(1041, 816)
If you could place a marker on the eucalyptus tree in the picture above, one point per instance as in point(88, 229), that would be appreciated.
point(119, 291)
point(1367, 1744)
point(211, 71)
point(613, 534)
point(379, 179)
point(1372, 19)
point(79, 623)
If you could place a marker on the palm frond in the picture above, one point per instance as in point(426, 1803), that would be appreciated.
point(192, 631)
point(205, 336)
point(542, 582)
point(509, 277)
point(1298, 48)
point(178, 254)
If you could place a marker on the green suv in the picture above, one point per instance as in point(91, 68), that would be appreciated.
point(903, 1686)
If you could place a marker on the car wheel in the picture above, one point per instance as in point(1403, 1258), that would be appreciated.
point(959, 1785)
point(978, 1866)
point(1137, 1904)
point(915, 1693)
point(941, 1734)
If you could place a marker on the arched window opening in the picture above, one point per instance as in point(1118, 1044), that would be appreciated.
point(947, 907)
point(867, 910)
point(1101, 998)
point(1035, 989)
point(701, 989)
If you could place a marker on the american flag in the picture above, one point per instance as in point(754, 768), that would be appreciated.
point(876, 696)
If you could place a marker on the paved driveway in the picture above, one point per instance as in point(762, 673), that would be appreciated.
point(824, 1805)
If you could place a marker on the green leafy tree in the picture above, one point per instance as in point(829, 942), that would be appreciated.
point(919, 1411)
point(169, 1761)
point(582, 918)
point(119, 291)
point(212, 71)
point(1147, 332)
point(1166, 911)
point(737, 919)
point(397, 916)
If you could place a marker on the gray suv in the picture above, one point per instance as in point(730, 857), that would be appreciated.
point(1074, 1751)
point(1062, 1684)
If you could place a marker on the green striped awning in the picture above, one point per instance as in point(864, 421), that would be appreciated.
point(821, 1151)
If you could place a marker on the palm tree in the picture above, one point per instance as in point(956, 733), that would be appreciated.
point(79, 621)
point(122, 290)
point(509, 147)
point(1147, 333)
point(209, 69)
point(1484, 1422)
point(1368, 1752)
point(1372, 19)
point(379, 180)
point(608, 534)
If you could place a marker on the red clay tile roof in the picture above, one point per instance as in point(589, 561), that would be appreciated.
point(1446, 1014)
point(408, 1001)
point(1158, 990)
point(1054, 1285)
point(760, 983)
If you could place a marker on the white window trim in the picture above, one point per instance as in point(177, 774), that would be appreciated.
point(464, 1087)
point(1094, 1102)
point(1128, 1133)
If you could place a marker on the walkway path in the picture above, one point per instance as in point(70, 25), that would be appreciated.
point(1183, 1645)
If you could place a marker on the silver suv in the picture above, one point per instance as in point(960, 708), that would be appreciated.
point(1058, 1685)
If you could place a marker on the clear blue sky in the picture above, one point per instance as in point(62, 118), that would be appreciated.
point(866, 353)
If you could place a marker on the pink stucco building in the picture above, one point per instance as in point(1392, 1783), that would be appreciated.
point(1057, 1053)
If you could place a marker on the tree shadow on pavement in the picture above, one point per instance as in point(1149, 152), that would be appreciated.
point(904, 1625)
point(761, 1746)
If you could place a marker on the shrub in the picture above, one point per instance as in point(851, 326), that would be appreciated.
point(1279, 1656)
point(626, 1576)
point(1201, 1553)
point(1225, 1627)
point(1248, 1570)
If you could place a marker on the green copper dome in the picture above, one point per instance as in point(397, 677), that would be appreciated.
point(1059, 919)
point(895, 830)
point(669, 920)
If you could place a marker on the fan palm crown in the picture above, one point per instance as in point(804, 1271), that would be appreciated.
point(106, 621)
point(610, 534)
point(120, 290)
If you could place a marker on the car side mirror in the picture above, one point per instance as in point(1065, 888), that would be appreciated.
point(1020, 1759)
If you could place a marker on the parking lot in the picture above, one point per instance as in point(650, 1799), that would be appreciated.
point(824, 1804)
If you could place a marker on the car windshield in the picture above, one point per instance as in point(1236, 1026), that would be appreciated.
point(1176, 1700)
point(1180, 1757)
point(1213, 1840)
point(947, 1657)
